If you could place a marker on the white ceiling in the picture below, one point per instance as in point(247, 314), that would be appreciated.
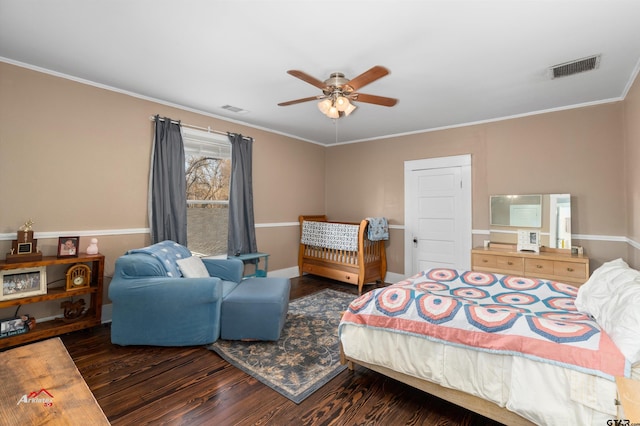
point(451, 62)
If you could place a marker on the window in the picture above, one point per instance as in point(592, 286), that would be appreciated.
point(208, 174)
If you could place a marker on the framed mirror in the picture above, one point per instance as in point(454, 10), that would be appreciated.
point(522, 211)
point(550, 214)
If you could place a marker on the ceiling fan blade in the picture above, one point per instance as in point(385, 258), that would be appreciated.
point(298, 101)
point(367, 77)
point(307, 78)
point(373, 99)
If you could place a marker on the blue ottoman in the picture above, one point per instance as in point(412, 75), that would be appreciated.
point(255, 310)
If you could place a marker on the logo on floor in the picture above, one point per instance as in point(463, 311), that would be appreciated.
point(37, 397)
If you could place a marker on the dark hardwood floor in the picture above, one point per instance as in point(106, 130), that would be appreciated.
point(194, 386)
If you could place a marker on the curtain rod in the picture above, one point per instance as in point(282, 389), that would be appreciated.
point(207, 129)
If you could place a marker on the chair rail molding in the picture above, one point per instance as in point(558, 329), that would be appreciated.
point(10, 236)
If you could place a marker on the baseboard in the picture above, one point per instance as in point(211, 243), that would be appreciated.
point(107, 313)
point(284, 273)
point(393, 277)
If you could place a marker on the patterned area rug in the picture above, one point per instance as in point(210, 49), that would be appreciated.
point(307, 355)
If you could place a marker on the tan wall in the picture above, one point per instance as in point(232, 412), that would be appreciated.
point(632, 169)
point(367, 179)
point(578, 151)
point(75, 158)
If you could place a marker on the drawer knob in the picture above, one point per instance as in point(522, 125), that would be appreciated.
point(484, 260)
point(539, 266)
point(570, 269)
point(509, 263)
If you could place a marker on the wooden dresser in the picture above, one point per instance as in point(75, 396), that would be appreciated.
point(549, 265)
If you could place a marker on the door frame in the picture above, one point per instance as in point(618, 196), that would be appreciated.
point(462, 161)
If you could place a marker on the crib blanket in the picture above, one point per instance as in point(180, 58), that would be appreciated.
point(339, 236)
point(504, 314)
point(378, 228)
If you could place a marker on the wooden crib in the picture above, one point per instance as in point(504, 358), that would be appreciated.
point(365, 264)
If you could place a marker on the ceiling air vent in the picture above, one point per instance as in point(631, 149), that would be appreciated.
point(575, 67)
point(234, 109)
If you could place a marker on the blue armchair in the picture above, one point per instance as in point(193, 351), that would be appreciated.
point(152, 308)
point(154, 304)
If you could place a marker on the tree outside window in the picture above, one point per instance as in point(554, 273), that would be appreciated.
point(208, 174)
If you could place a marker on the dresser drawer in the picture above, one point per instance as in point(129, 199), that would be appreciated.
point(570, 270)
point(510, 263)
point(483, 261)
point(501, 264)
point(537, 267)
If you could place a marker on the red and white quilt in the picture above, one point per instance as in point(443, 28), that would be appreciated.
point(497, 313)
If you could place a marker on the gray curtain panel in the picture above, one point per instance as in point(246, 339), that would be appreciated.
point(168, 187)
point(242, 232)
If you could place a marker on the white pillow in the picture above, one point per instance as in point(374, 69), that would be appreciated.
point(622, 320)
point(612, 297)
point(192, 267)
point(604, 281)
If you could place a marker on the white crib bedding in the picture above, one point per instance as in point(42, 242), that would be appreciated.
point(339, 236)
point(543, 393)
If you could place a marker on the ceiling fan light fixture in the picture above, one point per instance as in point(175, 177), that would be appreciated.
point(324, 106)
point(338, 92)
point(349, 109)
point(333, 112)
point(342, 103)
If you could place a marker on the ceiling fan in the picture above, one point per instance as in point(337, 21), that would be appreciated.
point(338, 92)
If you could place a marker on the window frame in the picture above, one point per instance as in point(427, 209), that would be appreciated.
point(203, 142)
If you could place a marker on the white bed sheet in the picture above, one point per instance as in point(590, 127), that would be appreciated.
point(543, 393)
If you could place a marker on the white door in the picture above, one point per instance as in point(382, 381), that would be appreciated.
point(438, 214)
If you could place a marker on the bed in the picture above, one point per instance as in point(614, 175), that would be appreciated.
point(518, 350)
point(349, 252)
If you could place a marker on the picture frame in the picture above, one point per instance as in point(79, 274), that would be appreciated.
point(68, 246)
point(23, 282)
point(16, 325)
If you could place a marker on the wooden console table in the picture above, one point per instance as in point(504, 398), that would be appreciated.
point(41, 385)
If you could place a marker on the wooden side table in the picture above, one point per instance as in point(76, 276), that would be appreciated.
point(257, 272)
